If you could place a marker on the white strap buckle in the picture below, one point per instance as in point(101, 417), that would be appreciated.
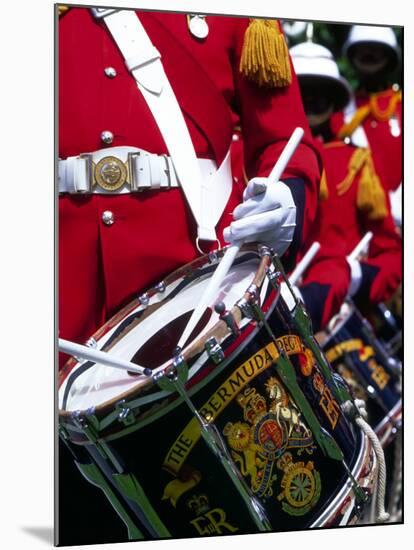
point(141, 58)
point(75, 174)
point(149, 171)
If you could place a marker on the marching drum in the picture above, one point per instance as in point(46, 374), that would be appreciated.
point(241, 431)
point(387, 320)
point(354, 352)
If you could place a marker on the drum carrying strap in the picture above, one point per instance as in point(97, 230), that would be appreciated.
point(143, 61)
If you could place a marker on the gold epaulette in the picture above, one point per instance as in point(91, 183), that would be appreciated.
point(371, 197)
point(371, 108)
point(63, 9)
point(265, 55)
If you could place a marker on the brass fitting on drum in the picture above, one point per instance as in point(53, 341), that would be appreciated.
point(125, 414)
point(227, 317)
point(264, 251)
point(171, 372)
point(245, 308)
point(274, 277)
point(214, 350)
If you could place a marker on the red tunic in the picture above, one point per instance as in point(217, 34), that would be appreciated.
point(102, 267)
point(339, 226)
point(383, 128)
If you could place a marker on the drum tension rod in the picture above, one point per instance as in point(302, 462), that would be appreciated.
point(170, 378)
point(380, 350)
point(303, 325)
point(89, 424)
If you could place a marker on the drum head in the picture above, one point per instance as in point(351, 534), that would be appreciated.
point(148, 335)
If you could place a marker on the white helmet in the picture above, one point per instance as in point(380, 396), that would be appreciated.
point(370, 34)
point(314, 61)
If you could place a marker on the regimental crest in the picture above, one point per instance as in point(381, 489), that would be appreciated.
point(270, 427)
point(301, 485)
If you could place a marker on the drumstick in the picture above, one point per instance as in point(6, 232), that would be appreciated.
point(97, 356)
point(303, 264)
point(233, 249)
point(360, 247)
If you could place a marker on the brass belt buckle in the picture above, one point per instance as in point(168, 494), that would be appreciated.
point(110, 173)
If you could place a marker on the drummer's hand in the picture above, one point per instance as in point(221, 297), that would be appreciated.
point(275, 230)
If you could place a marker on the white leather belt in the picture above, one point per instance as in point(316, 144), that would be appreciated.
point(129, 169)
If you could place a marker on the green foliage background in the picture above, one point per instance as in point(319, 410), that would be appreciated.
point(333, 36)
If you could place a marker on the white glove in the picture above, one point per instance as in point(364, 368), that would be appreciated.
point(356, 277)
point(275, 229)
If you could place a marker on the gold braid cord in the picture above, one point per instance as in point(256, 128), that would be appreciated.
point(265, 55)
point(371, 197)
point(372, 108)
point(354, 166)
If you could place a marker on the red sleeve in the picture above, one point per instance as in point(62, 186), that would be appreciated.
point(324, 288)
point(382, 270)
point(268, 118)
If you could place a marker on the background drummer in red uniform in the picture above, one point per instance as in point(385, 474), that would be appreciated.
point(374, 118)
point(352, 201)
point(115, 243)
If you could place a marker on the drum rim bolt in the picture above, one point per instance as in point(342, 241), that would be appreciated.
point(161, 286)
point(273, 277)
point(253, 291)
point(245, 307)
point(171, 371)
point(212, 257)
point(214, 350)
point(91, 343)
point(144, 299)
point(125, 413)
point(264, 250)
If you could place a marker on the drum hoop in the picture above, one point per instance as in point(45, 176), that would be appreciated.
point(219, 330)
point(331, 512)
point(141, 423)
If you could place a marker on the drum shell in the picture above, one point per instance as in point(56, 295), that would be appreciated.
point(349, 346)
point(187, 484)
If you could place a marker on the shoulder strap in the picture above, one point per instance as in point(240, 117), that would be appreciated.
point(143, 61)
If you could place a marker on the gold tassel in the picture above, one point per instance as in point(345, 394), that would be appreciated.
point(354, 166)
point(371, 197)
point(265, 55)
point(323, 187)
